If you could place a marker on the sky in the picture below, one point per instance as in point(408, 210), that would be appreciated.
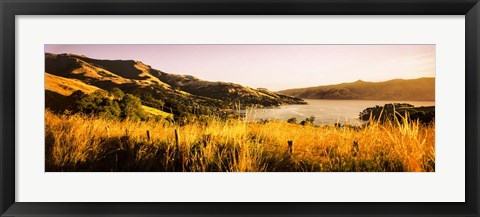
point(276, 67)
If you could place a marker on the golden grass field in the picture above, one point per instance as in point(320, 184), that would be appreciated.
point(87, 143)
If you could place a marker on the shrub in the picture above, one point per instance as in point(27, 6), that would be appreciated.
point(308, 121)
point(292, 120)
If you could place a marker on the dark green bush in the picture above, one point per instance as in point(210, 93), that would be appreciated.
point(132, 107)
point(99, 103)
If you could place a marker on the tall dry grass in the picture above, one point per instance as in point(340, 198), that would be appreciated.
point(82, 143)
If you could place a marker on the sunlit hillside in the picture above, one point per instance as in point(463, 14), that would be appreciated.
point(151, 84)
point(66, 86)
point(420, 89)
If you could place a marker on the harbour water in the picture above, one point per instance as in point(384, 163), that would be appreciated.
point(324, 111)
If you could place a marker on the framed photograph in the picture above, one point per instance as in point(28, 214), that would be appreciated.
point(252, 108)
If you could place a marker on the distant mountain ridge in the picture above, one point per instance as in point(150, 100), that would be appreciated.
point(420, 89)
point(65, 73)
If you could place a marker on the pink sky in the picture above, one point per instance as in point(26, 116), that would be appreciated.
point(275, 67)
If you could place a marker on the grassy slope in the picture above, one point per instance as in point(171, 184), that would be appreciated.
point(226, 90)
point(397, 89)
point(156, 112)
point(105, 74)
point(80, 143)
point(66, 86)
point(131, 75)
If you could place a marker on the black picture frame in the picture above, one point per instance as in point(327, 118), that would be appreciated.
point(9, 9)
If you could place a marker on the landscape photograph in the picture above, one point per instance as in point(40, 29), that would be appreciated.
point(239, 108)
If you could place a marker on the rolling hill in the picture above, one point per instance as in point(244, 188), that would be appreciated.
point(66, 73)
point(66, 86)
point(421, 89)
point(59, 88)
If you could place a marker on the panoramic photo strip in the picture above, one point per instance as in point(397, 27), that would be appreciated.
point(239, 108)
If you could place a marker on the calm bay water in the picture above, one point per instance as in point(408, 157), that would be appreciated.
point(325, 111)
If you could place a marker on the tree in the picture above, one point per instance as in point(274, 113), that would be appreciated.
point(117, 93)
point(96, 103)
point(109, 109)
point(83, 103)
point(132, 107)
